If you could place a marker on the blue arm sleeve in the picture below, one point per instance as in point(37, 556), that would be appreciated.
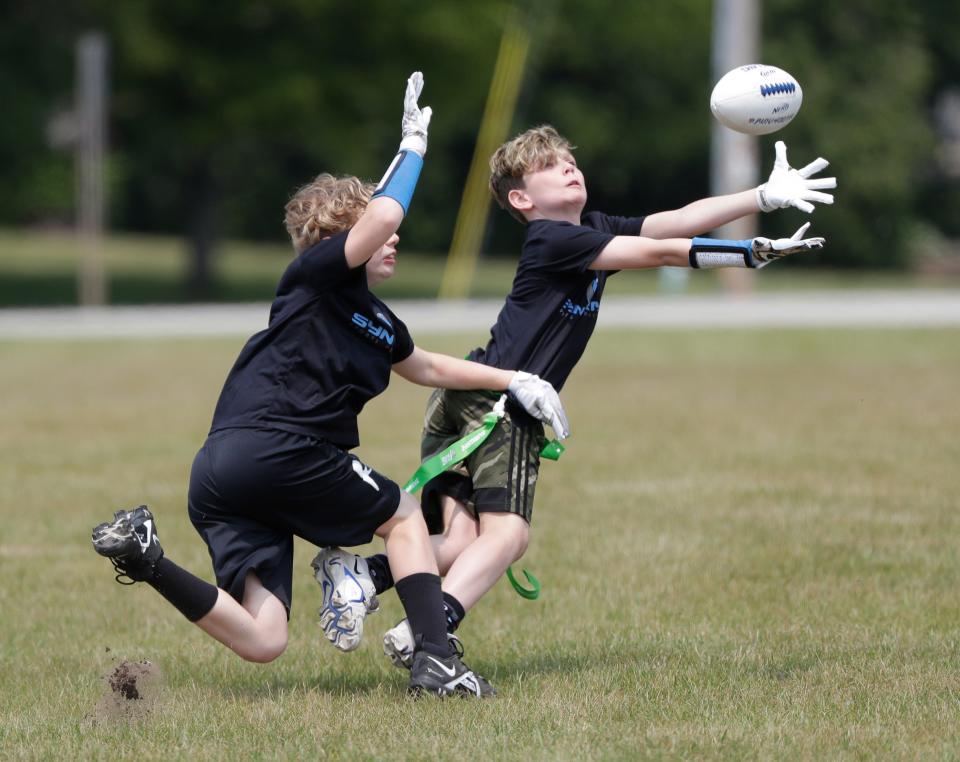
point(401, 178)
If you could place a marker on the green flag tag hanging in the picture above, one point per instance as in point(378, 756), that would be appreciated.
point(533, 593)
point(552, 450)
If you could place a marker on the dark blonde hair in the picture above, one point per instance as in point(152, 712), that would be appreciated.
point(530, 151)
point(325, 206)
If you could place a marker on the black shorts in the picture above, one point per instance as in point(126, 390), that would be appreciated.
point(253, 490)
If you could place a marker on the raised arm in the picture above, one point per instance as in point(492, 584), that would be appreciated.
point(537, 396)
point(391, 199)
point(785, 187)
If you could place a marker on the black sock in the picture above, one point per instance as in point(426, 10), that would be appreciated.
point(422, 599)
point(380, 572)
point(454, 611)
point(190, 595)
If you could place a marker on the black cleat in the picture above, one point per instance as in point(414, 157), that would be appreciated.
point(445, 676)
point(130, 542)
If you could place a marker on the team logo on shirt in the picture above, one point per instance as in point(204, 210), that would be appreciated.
point(370, 328)
point(590, 305)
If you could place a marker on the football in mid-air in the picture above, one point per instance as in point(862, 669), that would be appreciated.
point(756, 99)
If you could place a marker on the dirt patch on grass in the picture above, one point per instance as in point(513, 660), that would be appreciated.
point(130, 693)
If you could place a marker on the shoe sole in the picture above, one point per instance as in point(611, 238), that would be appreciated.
point(341, 620)
point(343, 638)
point(112, 539)
point(420, 691)
point(442, 691)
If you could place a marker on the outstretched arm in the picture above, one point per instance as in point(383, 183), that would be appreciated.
point(785, 187)
point(637, 253)
point(627, 252)
point(537, 396)
point(700, 216)
point(437, 370)
point(391, 199)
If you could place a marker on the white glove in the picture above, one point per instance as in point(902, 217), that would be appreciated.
point(765, 250)
point(415, 121)
point(790, 187)
point(541, 400)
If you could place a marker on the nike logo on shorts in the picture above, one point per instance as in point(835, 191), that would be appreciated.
point(364, 473)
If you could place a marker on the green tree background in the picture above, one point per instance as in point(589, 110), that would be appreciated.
point(219, 110)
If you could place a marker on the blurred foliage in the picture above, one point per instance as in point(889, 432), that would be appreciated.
point(865, 68)
point(220, 110)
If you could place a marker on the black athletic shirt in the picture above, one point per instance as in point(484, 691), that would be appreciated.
point(551, 311)
point(326, 351)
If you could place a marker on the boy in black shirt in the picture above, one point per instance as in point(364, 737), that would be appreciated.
point(480, 515)
point(276, 465)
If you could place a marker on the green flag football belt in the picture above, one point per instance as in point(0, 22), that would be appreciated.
point(458, 452)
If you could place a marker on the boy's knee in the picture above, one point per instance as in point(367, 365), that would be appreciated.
point(263, 650)
point(406, 519)
point(521, 541)
point(511, 530)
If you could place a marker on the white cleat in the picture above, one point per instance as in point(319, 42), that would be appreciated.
point(348, 596)
point(399, 647)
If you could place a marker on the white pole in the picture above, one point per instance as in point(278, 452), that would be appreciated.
point(734, 156)
point(91, 109)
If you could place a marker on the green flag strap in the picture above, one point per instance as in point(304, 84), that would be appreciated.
point(456, 452)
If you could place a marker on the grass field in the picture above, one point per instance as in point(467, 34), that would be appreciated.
point(749, 551)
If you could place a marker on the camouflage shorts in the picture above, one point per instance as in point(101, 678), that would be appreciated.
point(500, 476)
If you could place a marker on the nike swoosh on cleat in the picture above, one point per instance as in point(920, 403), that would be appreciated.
point(448, 671)
point(144, 544)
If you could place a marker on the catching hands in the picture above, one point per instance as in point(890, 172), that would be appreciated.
point(766, 250)
point(541, 400)
point(792, 187)
point(415, 120)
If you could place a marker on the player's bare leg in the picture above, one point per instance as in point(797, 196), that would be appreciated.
point(503, 539)
point(414, 568)
point(349, 588)
point(460, 529)
point(349, 591)
point(407, 542)
point(256, 630)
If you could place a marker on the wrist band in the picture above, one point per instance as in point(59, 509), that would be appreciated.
point(765, 206)
point(708, 253)
point(401, 178)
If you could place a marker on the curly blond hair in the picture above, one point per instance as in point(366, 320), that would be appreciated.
point(530, 151)
point(325, 206)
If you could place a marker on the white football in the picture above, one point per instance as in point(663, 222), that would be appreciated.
point(756, 99)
